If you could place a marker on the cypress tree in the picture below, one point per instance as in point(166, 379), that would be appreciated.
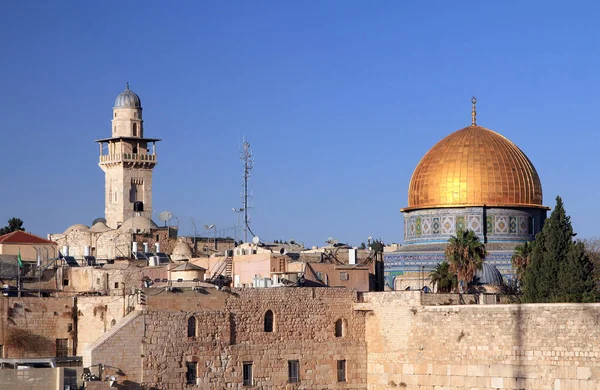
point(560, 270)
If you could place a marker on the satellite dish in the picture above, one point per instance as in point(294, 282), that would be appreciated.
point(99, 220)
point(255, 240)
point(165, 216)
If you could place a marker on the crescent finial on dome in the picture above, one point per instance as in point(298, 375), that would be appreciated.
point(474, 111)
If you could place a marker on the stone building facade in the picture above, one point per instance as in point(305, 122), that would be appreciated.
point(227, 340)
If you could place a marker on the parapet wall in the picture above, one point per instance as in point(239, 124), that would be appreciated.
point(537, 346)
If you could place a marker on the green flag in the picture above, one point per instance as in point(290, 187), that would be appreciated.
point(19, 259)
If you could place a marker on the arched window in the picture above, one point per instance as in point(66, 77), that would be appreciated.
point(269, 321)
point(340, 328)
point(135, 129)
point(113, 323)
point(192, 326)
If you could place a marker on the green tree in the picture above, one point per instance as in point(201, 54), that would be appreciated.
point(14, 224)
point(443, 278)
point(376, 246)
point(465, 255)
point(592, 248)
point(362, 246)
point(521, 259)
point(560, 270)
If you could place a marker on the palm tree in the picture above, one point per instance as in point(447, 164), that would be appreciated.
point(465, 255)
point(443, 278)
point(521, 258)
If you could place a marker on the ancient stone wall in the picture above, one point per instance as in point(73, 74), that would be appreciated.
point(480, 346)
point(29, 327)
point(303, 329)
point(98, 315)
point(120, 350)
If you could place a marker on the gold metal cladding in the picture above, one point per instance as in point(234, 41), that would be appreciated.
point(474, 166)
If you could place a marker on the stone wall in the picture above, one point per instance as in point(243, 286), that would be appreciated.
point(539, 346)
point(120, 349)
point(35, 324)
point(226, 337)
point(98, 315)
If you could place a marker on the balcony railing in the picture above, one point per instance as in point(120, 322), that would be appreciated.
point(127, 157)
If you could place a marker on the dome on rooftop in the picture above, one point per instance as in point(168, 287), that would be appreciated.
point(489, 275)
point(78, 226)
point(128, 99)
point(182, 251)
point(138, 223)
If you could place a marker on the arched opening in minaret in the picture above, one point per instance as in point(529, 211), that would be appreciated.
point(135, 129)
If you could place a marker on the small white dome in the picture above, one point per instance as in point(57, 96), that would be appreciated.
point(138, 223)
point(99, 227)
point(182, 251)
point(78, 226)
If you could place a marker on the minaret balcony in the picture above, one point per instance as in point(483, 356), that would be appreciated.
point(127, 157)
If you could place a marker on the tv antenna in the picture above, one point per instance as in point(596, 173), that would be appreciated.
point(248, 160)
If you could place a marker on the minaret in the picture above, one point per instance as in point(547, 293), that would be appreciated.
point(127, 159)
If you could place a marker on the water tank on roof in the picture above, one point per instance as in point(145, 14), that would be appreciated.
point(153, 261)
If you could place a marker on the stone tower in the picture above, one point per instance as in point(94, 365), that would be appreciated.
point(127, 159)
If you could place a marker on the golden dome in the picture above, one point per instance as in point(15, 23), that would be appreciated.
point(474, 166)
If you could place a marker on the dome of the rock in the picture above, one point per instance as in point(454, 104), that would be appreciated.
point(474, 166)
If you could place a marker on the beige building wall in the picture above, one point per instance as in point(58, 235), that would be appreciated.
point(246, 267)
point(29, 251)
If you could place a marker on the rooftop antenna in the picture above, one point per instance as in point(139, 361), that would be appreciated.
point(248, 160)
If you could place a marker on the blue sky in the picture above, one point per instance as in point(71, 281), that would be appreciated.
point(339, 100)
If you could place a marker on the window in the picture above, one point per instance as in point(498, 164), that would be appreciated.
point(114, 129)
point(135, 129)
point(341, 370)
point(116, 284)
point(62, 347)
point(115, 114)
point(192, 326)
point(1, 351)
point(113, 323)
point(190, 374)
point(320, 276)
point(339, 328)
point(247, 372)
point(293, 371)
point(269, 321)
point(344, 276)
point(65, 282)
point(69, 327)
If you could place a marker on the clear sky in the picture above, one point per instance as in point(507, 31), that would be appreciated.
point(339, 100)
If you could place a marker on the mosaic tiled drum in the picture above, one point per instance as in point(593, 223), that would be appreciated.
point(473, 179)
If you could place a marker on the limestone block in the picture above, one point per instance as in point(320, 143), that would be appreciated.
point(584, 373)
point(497, 382)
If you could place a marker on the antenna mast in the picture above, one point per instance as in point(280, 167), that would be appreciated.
point(246, 157)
